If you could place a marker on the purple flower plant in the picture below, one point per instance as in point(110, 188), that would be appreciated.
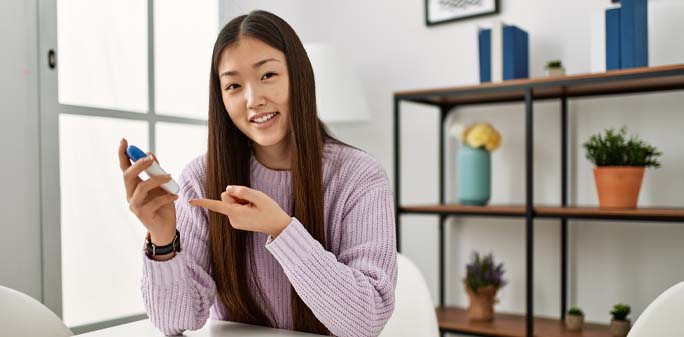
point(482, 272)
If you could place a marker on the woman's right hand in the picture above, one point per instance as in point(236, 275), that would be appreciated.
point(153, 206)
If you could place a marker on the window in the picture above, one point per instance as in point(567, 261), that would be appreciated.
point(133, 69)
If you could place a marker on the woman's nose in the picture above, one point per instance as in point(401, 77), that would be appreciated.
point(255, 97)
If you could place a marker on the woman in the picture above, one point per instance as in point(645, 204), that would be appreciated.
point(279, 223)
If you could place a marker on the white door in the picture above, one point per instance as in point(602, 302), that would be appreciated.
point(111, 69)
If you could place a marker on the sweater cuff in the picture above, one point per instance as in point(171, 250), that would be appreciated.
point(292, 245)
point(164, 272)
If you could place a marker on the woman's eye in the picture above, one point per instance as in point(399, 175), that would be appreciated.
point(235, 86)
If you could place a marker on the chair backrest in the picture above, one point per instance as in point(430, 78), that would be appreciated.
point(414, 313)
point(663, 317)
point(23, 316)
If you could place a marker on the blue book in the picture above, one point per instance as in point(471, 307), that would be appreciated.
point(524, 58)
point(634, 33)
point(613, 50)
point(515, 53)
point(484, 39)
point(510, 47)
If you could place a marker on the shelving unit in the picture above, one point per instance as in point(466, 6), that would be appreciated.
point(637, 80)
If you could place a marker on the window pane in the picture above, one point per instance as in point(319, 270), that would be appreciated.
point(102, 58)
point(175, 151)
point(184, 35)
point(101, 239)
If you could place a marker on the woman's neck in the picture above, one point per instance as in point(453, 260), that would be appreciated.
point(274, 157)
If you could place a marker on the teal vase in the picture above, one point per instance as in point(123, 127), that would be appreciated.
point(473, 175)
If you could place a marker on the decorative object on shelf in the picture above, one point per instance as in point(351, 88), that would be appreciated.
point(627, 35)
point(483, 279)
point(554, 68)
point(503, 53)
point(620, 165)
point(473, 162)
point(613, 50)
point(620, 324)
point(443, 11)
point(574, 319)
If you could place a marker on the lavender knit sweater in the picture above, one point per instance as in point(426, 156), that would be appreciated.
point(349, 287)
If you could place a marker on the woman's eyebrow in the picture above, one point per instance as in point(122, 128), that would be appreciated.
point(256, 65)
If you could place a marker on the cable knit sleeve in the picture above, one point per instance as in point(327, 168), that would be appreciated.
point(352, 293)
point(179, 292)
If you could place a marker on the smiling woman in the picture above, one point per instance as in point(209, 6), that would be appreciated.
point(280, 224)
point(257, 97)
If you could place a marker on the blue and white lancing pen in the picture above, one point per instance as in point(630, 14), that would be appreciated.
point(136, 154)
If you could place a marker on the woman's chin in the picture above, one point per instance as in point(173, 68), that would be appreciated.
point(268, 141)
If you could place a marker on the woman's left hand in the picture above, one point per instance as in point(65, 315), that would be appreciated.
point(248, 209)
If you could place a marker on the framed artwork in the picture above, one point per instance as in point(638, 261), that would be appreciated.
point(443, 11)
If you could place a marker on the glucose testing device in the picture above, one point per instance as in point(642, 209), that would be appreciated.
point(136, 154)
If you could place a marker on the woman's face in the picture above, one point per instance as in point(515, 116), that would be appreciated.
point(254, 85)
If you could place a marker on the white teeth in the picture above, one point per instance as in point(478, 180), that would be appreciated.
point(264, 118)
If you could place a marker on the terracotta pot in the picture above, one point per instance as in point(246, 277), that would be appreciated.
point(618, 186)
point(574, 322)
point(619, 328)
point(481, 303)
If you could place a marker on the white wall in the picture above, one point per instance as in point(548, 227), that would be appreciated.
point(393, 50)
point(20, 248)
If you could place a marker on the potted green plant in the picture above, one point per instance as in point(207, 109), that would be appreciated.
point(574, 319)
point(483, 279)
point(620, 163)
point(620, 324)
point(554, 68)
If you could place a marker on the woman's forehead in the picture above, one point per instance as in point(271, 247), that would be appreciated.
point(247, 54)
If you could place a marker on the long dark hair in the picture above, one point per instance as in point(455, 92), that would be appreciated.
point(228, 157)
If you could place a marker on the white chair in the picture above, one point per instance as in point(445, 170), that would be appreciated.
point(663, 317)
point(414, 312)
point(23, 316)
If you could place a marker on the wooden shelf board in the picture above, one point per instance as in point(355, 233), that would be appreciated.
point(509, 325)
point(592, 84)
point(549, 211)
point(655, 212)
point(515, 210)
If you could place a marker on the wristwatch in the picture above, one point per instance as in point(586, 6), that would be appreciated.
point(153, 250)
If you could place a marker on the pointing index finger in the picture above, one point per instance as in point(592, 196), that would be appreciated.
point(213, 205)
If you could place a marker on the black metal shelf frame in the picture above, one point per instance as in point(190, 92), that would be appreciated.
point(529, 89)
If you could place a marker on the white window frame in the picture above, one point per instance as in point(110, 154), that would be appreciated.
point(50, 110)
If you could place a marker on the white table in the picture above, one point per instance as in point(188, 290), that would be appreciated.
point(215, 328)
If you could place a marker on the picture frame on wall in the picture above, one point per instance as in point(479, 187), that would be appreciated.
point(444, 11)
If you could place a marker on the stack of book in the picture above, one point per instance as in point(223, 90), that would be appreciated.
point(627, 35)
point(504, 53)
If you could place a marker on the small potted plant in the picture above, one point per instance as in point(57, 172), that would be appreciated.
point(473, 161)
point(554, 68)
point(483, 279)
point(574, 319)
point(620, 324)
point(620, 165)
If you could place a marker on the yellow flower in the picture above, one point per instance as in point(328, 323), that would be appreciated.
point(494, 141)
point(478, 135)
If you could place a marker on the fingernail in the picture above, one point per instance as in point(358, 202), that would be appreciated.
point(149, 158)
point(228, 187)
